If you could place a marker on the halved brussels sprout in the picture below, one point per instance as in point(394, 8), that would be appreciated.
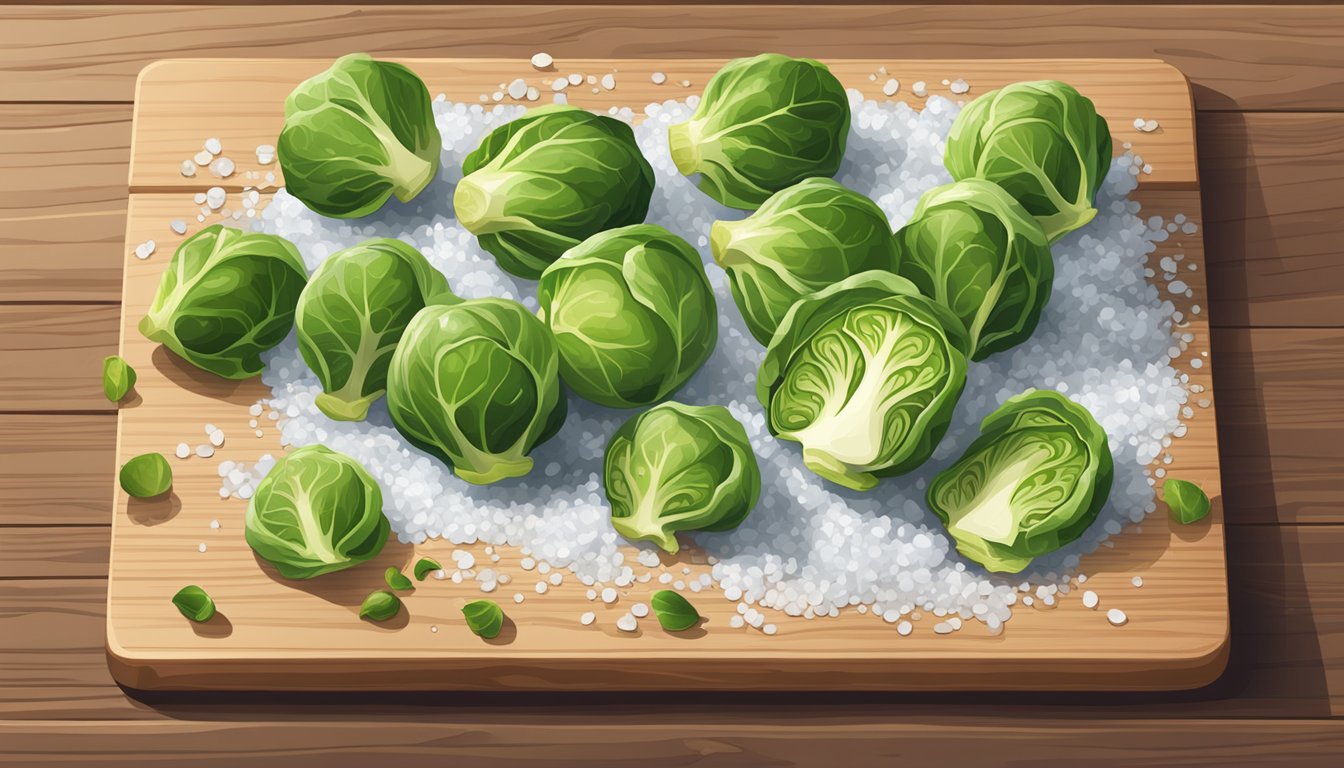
point(226, 297)
point(352, 314)
point(764, 124)
point(539, 185)
point(1033, 481)
point(317, 511)
point(865, 375)
point(811, 235)
point(1041, 141)
point(972, 248)
point(477, 384)
point(680, 468)
point(632, 313)
point(357, 134)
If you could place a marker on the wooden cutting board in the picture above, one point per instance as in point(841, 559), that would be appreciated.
point(278, 634)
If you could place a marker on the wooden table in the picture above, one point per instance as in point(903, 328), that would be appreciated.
point(1271, 131)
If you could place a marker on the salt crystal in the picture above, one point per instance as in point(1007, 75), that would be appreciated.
point(517, 89)
point(183, 450)
point(222, 167)
point(215, 197)
point(187, 168)
point(890, 87)
point(542, 60)
point(1090, 599)
point(1117, 617)
point(144, 250)
point(658, 78)
point(608, 81)
point(1137, 581)
point(265, 154)
point(640, 610)
point(213, 146)
point(627, 623)
point(203, 158)
point(177, 225)
point(608, 595)
point(921, 88)
point(960, 86)
point(587, 618)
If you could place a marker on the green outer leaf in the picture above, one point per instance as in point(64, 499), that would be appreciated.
point(1049, 527)
point(484, 618)
point(1041, 141)
point(1187, 502)
point(541, 184)
point(226, 297)
point(832, 314)
point(763, 124)
point(118, 378)
point(194, 603)
point(425, 566)
point(680, 468)
point(146, 476)
point(477, 385)
point(357, 134)
point(673, 611)
point(317, 511)
point(632, 313)
point(396, 579)
point(972, 248)
point(351, 316)
point(804, 238)
point(380, 606)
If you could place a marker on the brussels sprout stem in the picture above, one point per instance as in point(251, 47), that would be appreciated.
point(411, 172)
point(646, 523)
point(478, 208)
point(340, 409)
point(493, 468)
point(834, 470)
point(683, 141)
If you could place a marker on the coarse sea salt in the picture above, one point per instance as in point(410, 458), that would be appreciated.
point(809, 548)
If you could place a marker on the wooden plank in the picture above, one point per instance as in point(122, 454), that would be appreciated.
point(178, 102)
point(1236, 57)
point(56, 469)
point(1287, 660)
point(54, 356)
point(1281, 401)
point(49, 552)
point(1273, 216)
point(62, 201)
point(777, 741)
point(262, 641)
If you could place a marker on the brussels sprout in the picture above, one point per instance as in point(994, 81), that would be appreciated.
point(477, 384)
point(1033, 481)
point(194, 603)
point(317, 511)
point(352, 314)
point(484, 618)
point(763, 124)
point(539, 185)
point(865, 375)
point(803, 239)
point(118, 378)
point(1041, 141)
point(357, 134)
point(380, 606)
point(146, 476)
point(632, 313)
point(680, 468)
point(972, 248)
point(226, 297)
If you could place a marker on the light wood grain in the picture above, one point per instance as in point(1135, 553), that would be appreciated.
point(1236, 57)
point(62, 201)
point(1176, 637)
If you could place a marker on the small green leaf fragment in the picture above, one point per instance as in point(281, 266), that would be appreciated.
point(118, 378)
point(380, 606)
point(1188, 502)
point(484, 618)
point(425, 566)
point(146, 476)
point(396, 579)
point(194, 603)
point(673, 611)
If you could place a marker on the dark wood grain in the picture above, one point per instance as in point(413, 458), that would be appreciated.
point(1233, 56)
point(63, 171)
point(47, 552)
point(625, 740)
point(56, 470)
point(1273, 188)
point(54, 356)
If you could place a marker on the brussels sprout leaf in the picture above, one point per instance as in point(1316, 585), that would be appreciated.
point(425, 566)
point(397, 580)
point(673, 611)
point(1188, 502)
point(484, 618)
point(379, 606)
point(194, 603)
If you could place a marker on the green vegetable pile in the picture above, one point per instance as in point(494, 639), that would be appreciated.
point(868, 334)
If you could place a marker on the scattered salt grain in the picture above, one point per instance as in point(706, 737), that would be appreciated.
point(214, 524)
point(542, 587)
point(205, 450)
point(587, 618)
point(890, 87)
point(685, 83)
point(921, 88)
point(187, 168)
point(609, 81)
point(203, 157)
point(1117, 617)
point(213, 146)
point(575, 79)
point(215, 197)
point(640, 610)
point(609, 595)
point(517, 89)
point(265, 154)
point(222, 168)
point(769, 629)
point(904, 628)
point(217, 437)
point(518, 597)
point(144, 250)
point(183, 450)
point(542, 60)
point(1090, 599)
point(1137, 581)
point(960, 86)
point(177, 225)
point(627, 623)
point(533, 93)
point(658, 78)
point(558, 84)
